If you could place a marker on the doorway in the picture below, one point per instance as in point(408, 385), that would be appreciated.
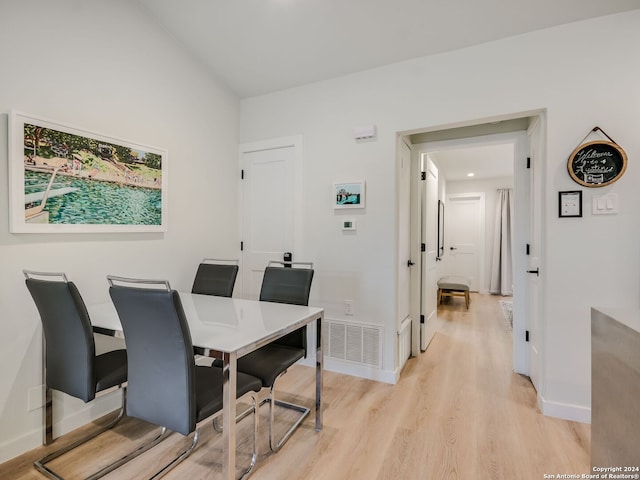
point(513, 132)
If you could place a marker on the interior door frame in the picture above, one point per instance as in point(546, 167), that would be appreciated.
point(402, 263)
point(294, 142)
point(521, 237)
point(521, 233)
point(537, 154)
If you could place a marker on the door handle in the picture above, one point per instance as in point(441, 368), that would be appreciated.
point(453, 248)
point(536, 271)
point(410, 263)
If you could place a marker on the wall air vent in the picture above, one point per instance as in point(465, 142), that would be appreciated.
point(353, 342)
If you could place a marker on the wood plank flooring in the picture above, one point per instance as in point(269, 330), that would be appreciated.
point(458, 412)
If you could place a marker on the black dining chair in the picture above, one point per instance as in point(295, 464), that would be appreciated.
point(165, 387)
point(71, 363)
point(290, 282)
point(215, 277)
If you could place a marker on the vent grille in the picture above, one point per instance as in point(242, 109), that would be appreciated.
point(353, 342)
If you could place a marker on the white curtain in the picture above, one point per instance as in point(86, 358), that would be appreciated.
point(501, 266)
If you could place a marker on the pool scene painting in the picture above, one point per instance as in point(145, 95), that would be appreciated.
point(67, 180)
point(348, 195)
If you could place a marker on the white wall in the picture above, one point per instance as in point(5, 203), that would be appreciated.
point(584, 74)
point(490, 188)
point(105, 67)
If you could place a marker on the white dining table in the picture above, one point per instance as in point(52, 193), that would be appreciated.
point(231, 328)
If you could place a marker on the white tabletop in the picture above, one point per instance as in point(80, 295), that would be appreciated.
point(224, 324)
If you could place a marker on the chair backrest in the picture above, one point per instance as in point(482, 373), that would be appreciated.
point(215, 278)
point(69, 345)
point(161, 366)
point(289, 283)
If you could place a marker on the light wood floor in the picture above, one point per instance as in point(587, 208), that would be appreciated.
point(458, 412)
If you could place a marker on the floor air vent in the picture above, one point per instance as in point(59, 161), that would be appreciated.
point(353, 342)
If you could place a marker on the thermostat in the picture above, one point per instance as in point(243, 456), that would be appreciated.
point(348, 225)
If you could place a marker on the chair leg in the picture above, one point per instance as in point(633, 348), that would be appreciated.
point(40, 465)
point(239, 417)
point(466, 298)
point(254, 457)
point(48, 417)
point(181, 456)
point(255, 404)
point(164, 433)
point(186, 452)
point(275, 446)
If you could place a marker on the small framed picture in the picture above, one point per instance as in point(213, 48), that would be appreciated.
point(570, 204)
point(348, 194)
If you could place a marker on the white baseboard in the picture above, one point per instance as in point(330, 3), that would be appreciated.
point(362, 371)
point(354, 369)
point(17, 446)
point(575, 413)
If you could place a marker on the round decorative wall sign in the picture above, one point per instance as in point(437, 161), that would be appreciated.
point(597, 164)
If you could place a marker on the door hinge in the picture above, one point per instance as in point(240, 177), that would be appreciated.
point(242, 174)
point(526, 335)
point(241, 246)
point(423, 247)
point(528, 162)
point(422, 319)
point(528, 248)
point(423, 175)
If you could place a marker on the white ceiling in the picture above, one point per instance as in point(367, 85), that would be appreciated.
point(488, 161)
point(260, 46)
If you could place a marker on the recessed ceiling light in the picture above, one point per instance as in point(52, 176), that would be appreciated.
point(470, 174)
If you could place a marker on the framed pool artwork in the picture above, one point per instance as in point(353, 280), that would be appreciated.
point(64, 179)
point(348, 195)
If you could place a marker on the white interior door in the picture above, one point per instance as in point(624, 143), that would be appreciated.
point(429, 294)
point(269, 200)
point(404, 235)
point(464, 247)
point(535, 219)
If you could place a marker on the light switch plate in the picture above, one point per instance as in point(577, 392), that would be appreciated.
point(606, 204)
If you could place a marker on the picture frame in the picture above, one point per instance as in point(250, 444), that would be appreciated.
point(570, 204)
point(64, 179)
point(349, 195)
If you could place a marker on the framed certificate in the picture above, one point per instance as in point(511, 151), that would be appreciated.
point(570, 204)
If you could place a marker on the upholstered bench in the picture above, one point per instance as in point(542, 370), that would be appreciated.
point(454, 286)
